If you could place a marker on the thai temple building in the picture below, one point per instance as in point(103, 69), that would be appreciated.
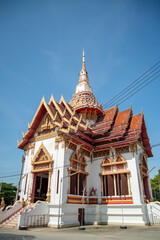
point(85, 164)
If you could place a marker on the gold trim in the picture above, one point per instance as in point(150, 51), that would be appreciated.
point(42, 170)
point(115, 172)
point(35, 161)
point(29, 146)
point(42, 162)
point(76, 170)
point(43, 136)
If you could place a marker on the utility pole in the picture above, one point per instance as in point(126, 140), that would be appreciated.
point(20, 178)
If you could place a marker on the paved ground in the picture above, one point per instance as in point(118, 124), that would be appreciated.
point(91, 232)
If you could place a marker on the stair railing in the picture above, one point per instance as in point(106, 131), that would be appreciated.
point(10, 211)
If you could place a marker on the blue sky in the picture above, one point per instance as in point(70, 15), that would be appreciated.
point(41, 44)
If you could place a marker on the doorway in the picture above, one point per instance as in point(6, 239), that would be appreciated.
point(41, 186)
point(81, 216)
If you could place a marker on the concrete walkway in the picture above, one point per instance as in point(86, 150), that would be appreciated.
point(91, 232)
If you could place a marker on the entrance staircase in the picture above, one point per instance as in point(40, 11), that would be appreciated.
point(12, 222)
point(9, 217)
point(154, 213)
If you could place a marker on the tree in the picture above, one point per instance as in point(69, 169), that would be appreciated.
point(155, 184)
point(8, 192)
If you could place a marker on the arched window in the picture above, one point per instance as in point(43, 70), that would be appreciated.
point(115, 177)
point(78, 174)
point(107, 178)
point(121, 176)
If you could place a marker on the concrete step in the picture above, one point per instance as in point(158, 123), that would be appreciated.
point(12, 222)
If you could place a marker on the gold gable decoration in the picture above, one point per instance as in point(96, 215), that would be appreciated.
point(45, 124)
point(42, 161)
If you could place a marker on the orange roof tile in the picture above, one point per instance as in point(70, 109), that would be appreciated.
point(122, 117)
point(135, 122)
point(109, 114)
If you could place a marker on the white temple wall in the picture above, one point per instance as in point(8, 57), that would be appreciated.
point(59, 166)
point(104, 214)
point(89, 177)
point(65, 180)
point(93, 213)
point(140, 151)
point(50, 146)
point(133, 166)
point(25, 185)
point(150, 188)
point(94, 180)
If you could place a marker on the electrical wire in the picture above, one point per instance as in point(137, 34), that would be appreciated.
point(138, 90)
point(133, 84)
point(121, 93)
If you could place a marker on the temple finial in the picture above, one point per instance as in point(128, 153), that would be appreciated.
point(83, 56)
point(83, 63)
point(83, 79)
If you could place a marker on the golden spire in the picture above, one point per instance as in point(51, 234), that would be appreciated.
point(83, 63)
point(83, 74)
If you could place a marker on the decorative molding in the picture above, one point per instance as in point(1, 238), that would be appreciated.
point(121, 150)
point(101, 153)
point(42, 160)
point(76, 199)
point(133, 148)
point(143, 165)
point(29, 146)
point(45, 124)
point(116, 172)
point(59, 139)
point(93, 200)
point(43, 169)
point(27, 152)
point(116, 200)
point(56, 145)
point(44, 136)
point(63, 144)
point(72, 146)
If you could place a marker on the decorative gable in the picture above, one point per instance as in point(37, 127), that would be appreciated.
point(45, 124)
point(42, 161)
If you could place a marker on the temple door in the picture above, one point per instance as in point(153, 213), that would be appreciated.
point(81, 216)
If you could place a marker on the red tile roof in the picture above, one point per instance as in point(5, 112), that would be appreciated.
point(111, 128)
point(136, 122)
point(122, 117)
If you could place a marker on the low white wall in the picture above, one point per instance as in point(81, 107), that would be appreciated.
point(154, 212)
point(99, 214)
point(39, 209)
point(9, 211)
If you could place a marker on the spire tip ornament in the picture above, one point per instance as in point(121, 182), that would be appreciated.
point(83, 100)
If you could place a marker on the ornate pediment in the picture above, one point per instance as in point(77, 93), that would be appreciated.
point(45, 124)
point(42, 160)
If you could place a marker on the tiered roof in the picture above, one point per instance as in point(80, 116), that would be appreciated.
point(111, 129)
point(84, 121)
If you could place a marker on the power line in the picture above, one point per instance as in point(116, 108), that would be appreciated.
point(9, 176)
point(133, 84)
point(138, 89)
point(9, 172)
